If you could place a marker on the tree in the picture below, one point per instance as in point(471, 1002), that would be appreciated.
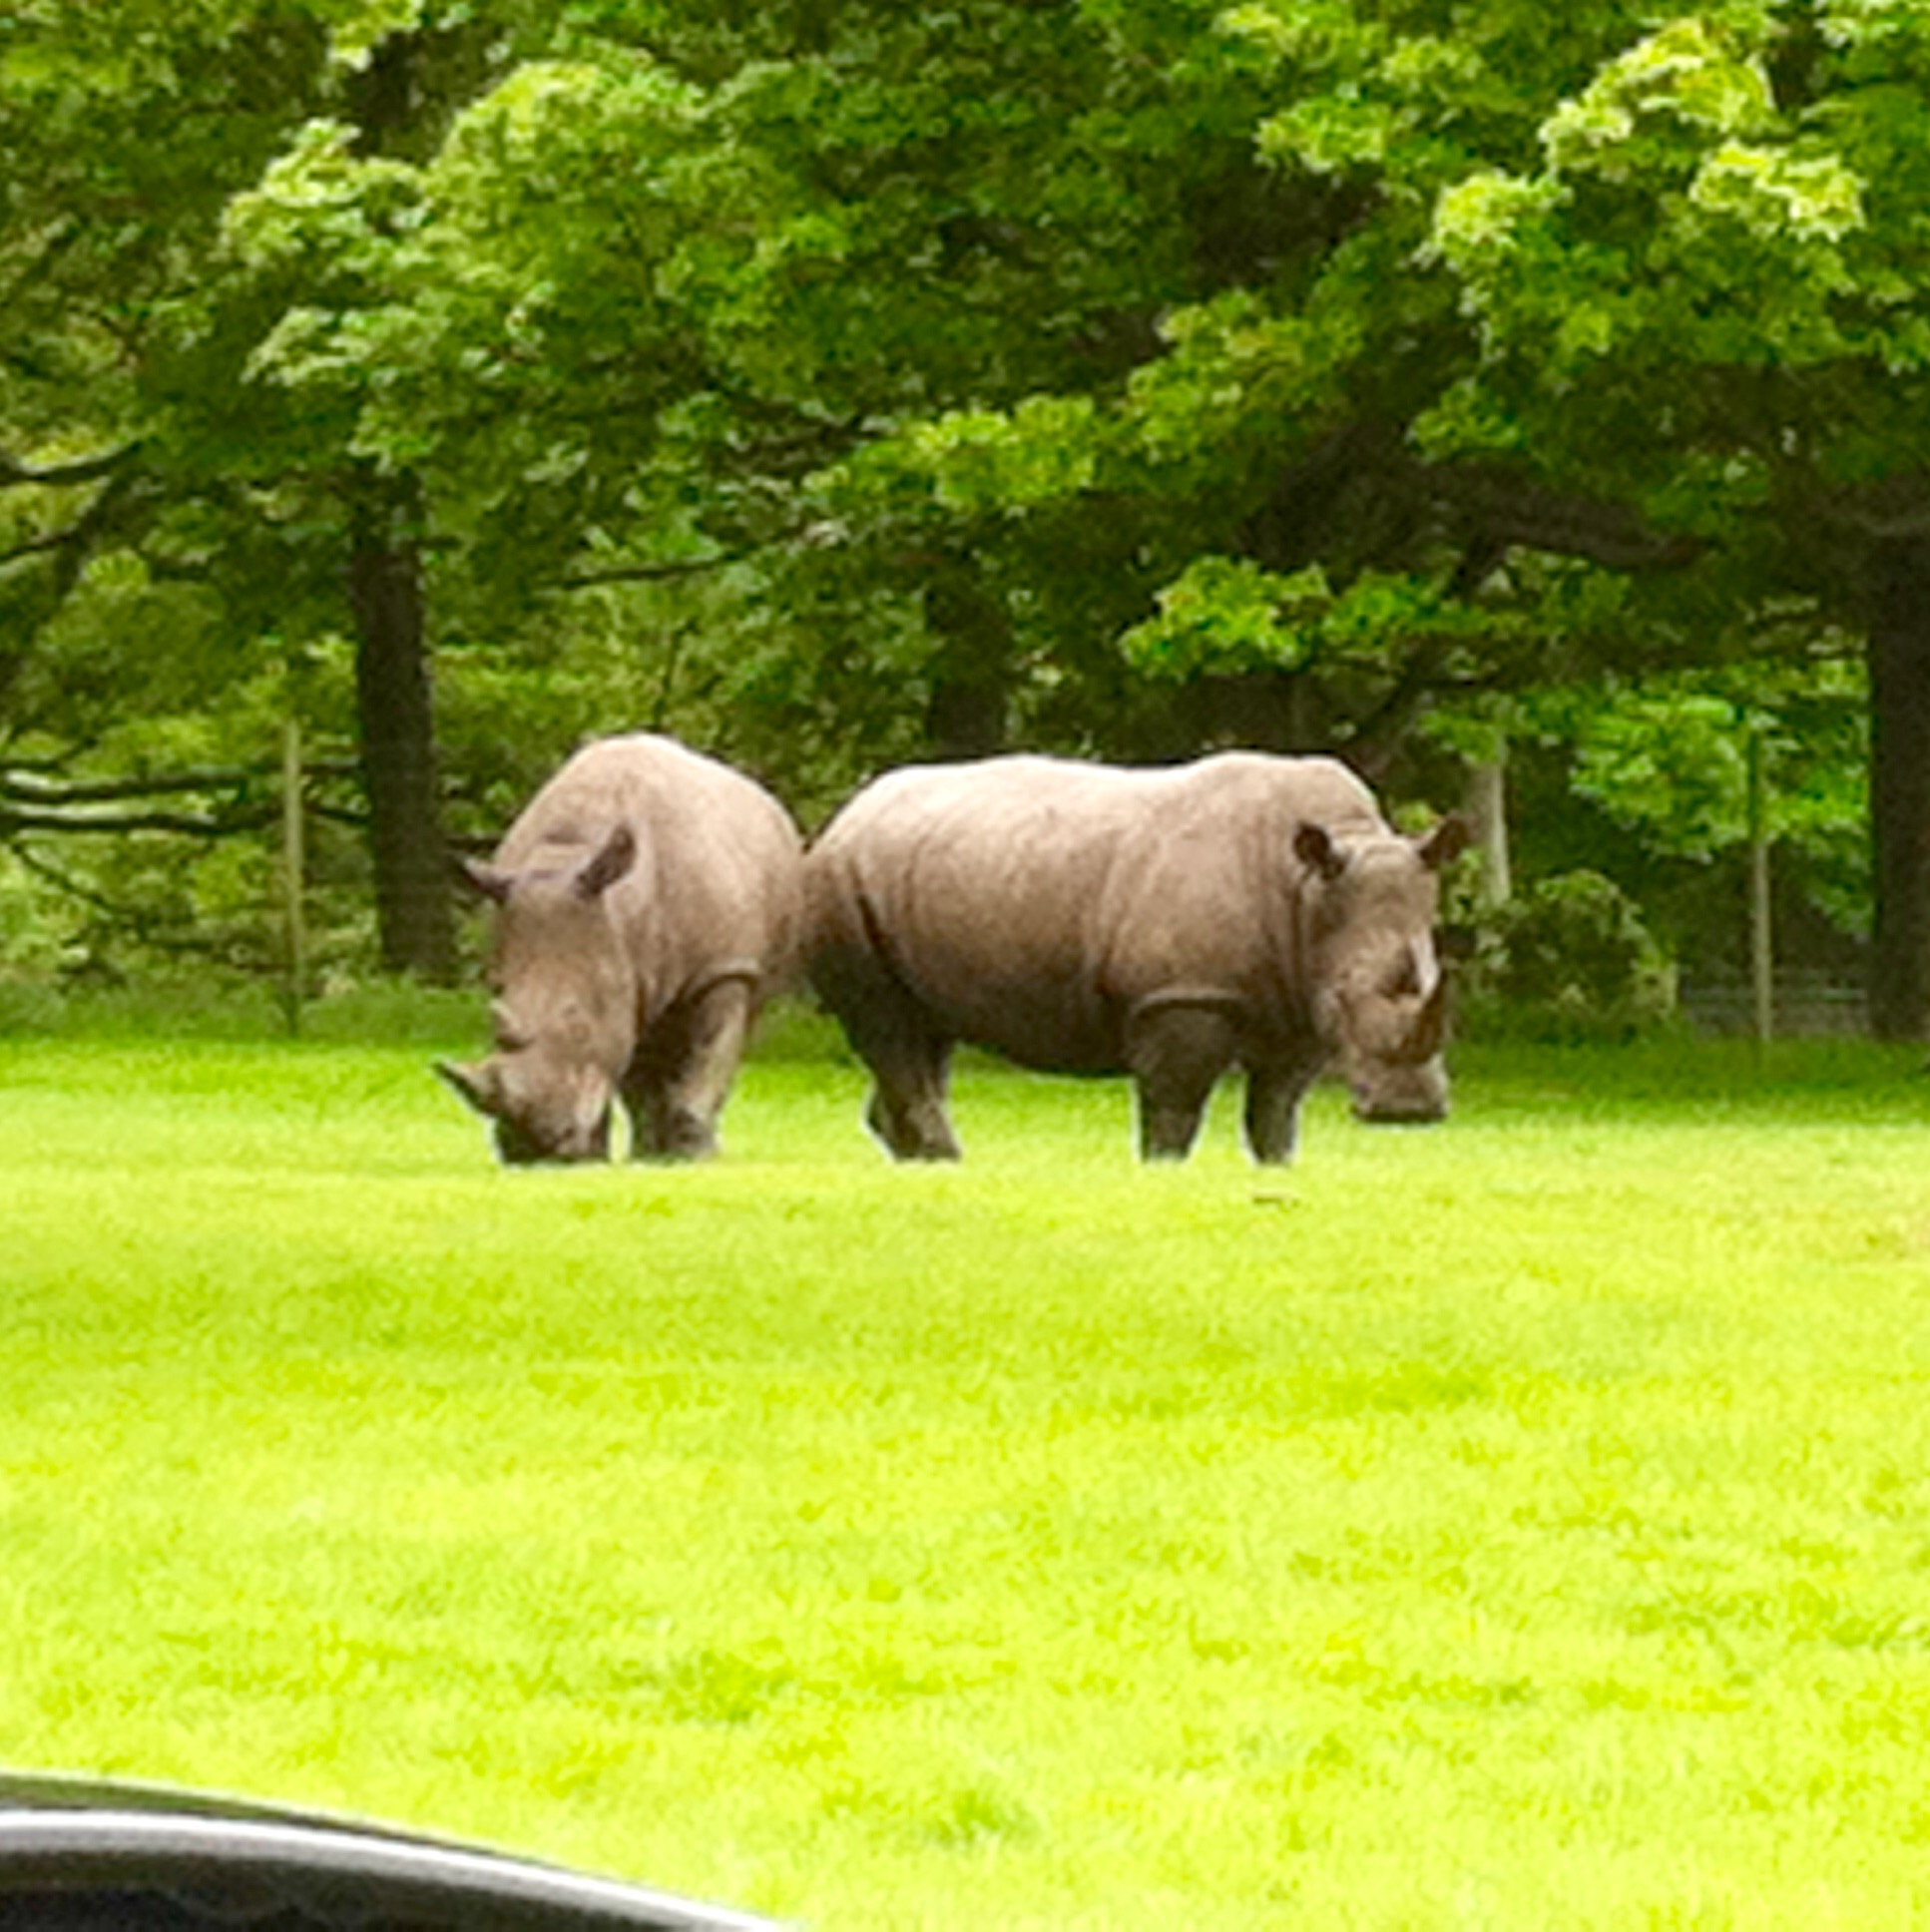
point(1255, 487)
point(129, 403)
point(1122, 377)
point(1650, 779)
point(1646, 300)
point(1704, 293)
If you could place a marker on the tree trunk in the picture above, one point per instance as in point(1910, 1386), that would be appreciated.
point(1899, 662)
point(385, 593)
point(397, 731)
point(1262, 710)
point(1487, 807)
point(971, 670)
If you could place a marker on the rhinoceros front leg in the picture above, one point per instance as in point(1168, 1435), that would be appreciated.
point(1175, 1053)
point(907, 1110)
point(678, 1088)
point(1273, 1097)
point(908, 1057)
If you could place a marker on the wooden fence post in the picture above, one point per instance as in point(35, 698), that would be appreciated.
point(1762, 963)
point(294, 923)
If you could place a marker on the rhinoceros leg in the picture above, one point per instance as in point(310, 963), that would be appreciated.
point(677, 1089)
point(909, 1058)
point(1175, 1053)
point(910, 1066)
point(1273, 1095)
point(907, 1110)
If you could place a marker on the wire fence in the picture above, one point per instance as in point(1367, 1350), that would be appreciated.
point(1805, 1004)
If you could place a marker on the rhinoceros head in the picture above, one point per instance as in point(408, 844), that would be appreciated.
point(1378, 995)
point(565, 1015)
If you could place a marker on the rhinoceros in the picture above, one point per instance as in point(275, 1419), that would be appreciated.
point(649, 900)
point(1168, 923)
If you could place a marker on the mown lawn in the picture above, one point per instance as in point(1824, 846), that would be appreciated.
point(1523, 1522)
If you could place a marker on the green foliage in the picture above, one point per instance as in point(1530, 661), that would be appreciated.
point(1642, 773)
point(1351, 349)
point(32, 940)
point(1691, 221)
point(983, 459)
point(357, 27)
point(1669, 756)
point(1227, 614)
point(1678, 766)
point(1569, 960)
point(1689, 75)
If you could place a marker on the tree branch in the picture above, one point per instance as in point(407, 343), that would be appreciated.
point(1894, 510)
point(33, 802)
point(33, 818)
point(1499, 508)
point(147, 929)
point(29, 788)
point(648, 573)
point(14, 474)
point(44, 546)
point(68, 544)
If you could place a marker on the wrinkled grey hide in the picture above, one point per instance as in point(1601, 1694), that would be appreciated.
point(649, 900)
point(1170, 924)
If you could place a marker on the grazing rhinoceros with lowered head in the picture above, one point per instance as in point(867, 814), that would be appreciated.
point(649, 900)
point(1245, 910)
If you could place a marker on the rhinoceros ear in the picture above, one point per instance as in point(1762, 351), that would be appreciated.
point(618, 855)
point(490, 880)
point(1314, 848)
point(476, 1084)
point(510, 1038)
point(1446, 842)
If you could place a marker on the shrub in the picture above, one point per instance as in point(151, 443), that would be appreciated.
point(1569, 960)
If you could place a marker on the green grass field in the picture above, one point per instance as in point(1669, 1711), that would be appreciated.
point(1523, 1522)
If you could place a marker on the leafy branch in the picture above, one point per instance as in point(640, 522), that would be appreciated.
point(33, 802)
point(14, 474)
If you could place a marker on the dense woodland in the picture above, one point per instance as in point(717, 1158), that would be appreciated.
point(835, 383)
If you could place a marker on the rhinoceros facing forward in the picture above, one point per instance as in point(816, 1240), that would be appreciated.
point(1245, 910)
point(649, 900)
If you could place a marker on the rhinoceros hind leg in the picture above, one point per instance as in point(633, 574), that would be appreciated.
point(1174, 1054)
point(676, 1088)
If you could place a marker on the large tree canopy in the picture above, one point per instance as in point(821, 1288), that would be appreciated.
point(1704, 295)
point(1117, 375)
point(1528, 289)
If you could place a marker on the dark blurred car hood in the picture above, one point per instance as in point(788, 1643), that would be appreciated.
point(91, 1855)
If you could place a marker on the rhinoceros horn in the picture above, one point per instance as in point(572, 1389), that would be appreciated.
point(490, 880)
point(1429, 1032)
